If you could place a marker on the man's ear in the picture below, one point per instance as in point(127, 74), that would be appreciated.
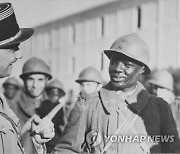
point(47, 79)
point(142, 70)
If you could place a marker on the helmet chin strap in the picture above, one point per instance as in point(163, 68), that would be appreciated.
point(99, 86)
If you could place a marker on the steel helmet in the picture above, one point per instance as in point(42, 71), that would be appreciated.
point(90, 74)
point(35, 66)
point(132, 46)
point(163, 79)
point(55, 83)
point(11, 81)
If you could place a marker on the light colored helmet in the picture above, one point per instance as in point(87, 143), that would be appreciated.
point(163, 79)
point(132, 46)
point(35, 66)
point(55, 83)
point(11, 81)
point(90, 74)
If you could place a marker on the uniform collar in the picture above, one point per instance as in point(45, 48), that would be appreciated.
point(111, 100)
point(4, 108)
point(27, 104)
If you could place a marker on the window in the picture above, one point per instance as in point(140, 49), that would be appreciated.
point(60, 41)
point(46, 41)
point(39, 42)
point(178, 10)
point(74, 33)
point(102, 61)
point(71, 34)
point(150, 14)
point(170, 11)
point(126, 20)
point(119, 22)
point(71, 66)
point(33, 44)
point(78, 35)
point(110, 25)
point(139, 17)
point(178, 54)
point(93, 29)
point(63, 36)
point(100, 25)
point(27, 46)
point(54, 39)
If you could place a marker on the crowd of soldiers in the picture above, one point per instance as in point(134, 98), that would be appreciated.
point(41, 93)
point(143, 107)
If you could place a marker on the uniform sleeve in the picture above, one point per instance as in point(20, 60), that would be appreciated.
point(168, 128)
point(73, 135)
point(40, 148)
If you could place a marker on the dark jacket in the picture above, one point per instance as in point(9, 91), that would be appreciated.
point(101, 112)
point(26, 108)
point(58, 121)
point(175, 106)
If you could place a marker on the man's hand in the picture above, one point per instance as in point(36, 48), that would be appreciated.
point(42, 129)
point(27, 125)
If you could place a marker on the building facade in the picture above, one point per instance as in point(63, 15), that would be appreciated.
point(72, 43)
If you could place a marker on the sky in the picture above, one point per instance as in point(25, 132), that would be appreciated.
point(31, 13)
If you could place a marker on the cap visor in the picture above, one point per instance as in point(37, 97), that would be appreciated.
point(25, 75)
point(25, 34)
point(110, 52)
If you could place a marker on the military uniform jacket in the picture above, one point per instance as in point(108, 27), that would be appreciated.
point(104, 112)
point(9, 130)
point(26, 108)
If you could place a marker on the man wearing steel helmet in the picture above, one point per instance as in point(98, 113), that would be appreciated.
point(11, 88)
point(108, 121)
point(10, 38)
point(90, 80)
point(35, 75)
point(161, 84)
point(55, 92)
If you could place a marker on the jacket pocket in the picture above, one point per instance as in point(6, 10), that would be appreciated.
point(8, 138)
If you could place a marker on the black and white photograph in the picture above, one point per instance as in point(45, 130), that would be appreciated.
point(89, 76)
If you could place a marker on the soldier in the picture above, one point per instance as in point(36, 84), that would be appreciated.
point(35, 75)
point(55, 92)
point(69, 105)
point(10, 38)
point(90, 80)
point(175, 106)
point(108, 121)
point(162, 85)
point(11, 88)
point(176, 76)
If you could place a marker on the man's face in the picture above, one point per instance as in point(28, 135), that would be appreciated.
point(124, 72)
point(89, 87)
point(162, 92)
point(7, 58)
point(35, 84)
point(10, 91)
point(54, 94)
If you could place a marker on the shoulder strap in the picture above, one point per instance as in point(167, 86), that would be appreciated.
point(15, 129)
point(128, 122)
point(11, 121)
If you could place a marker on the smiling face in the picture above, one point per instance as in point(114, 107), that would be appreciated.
point(124, 72)
point(7, 58)
point(35, 84)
